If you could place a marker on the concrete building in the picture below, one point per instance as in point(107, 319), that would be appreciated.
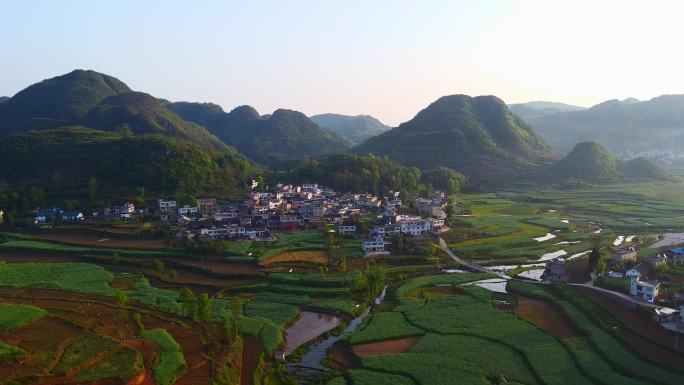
point(644, 289)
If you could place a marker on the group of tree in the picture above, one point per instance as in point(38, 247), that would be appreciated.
point(373, 174)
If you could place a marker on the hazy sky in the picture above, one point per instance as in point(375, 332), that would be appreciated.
point(384, 58)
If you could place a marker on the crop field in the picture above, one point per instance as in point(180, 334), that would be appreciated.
point(462, 333)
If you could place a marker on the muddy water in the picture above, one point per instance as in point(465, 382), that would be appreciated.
point(307, 368)
point(308, 326)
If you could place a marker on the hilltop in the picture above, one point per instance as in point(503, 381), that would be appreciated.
point(356, 129)
point(626, 127)
point(95, 100)
point(268, 139)
point(477, 136)
point(593, 163)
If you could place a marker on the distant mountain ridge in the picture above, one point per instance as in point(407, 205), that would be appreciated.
point(4, 99)
point(626, 127)
point(356, 129)
point(267, 139)
point(477, 136)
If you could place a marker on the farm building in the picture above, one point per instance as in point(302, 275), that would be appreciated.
point(642, 288)
point(554, 271)
point(627, 254)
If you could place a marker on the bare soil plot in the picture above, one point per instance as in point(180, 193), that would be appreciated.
point(401, 345)
point(251, 350)
point(343, 355)
point(308, 256)
point(546, 317)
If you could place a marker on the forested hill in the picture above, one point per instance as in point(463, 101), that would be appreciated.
point(478, 136)
point(356, 129)
point(591, 162)
point(64, 161)
point(98, 101)
point(283, 135)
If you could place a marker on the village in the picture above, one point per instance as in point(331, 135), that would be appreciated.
point(283, 208)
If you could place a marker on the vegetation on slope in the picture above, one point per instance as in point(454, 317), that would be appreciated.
point(375, 174)
point(66, 159)
point(284, 135)
point(478, 136)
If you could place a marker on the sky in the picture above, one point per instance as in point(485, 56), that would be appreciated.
point(386, 58)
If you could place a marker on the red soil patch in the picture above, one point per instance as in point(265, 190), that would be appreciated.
point(546, 317)
point(251, 350)
point(400, 345)
point(308, 256)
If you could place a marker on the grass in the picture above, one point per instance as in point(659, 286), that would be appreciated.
point(78, 277)
point(171, 364)
point(13, 316)
point(83, 349)
point(124, 364)
point(385, 326)
point(365, 376)
point(279, 313)
point(10, 352)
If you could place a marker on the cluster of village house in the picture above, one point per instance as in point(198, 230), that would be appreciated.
point(284, 208)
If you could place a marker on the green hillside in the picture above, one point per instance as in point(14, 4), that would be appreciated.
point(65, 159)
point(144, 114)
point(642, 168)
point(477, 136)
point(588, 162)
point(284, 135)
point(95, 100)
point(57, 102)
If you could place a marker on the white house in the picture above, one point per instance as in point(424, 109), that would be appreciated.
point(375, 245)
point(188, 211)
point(644, 289)
point(413, 225)
point(166, 206)
point(348, 229)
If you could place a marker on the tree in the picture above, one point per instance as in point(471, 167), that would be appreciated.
point(92, 189)
point(124, 130)
point(594, 259)
point(204, 307)
point(375, 278)
point(158, 265)
point(121, 299)
point(116, 259)
point(601, 267)
point(188, 302)
point(173, 275)
point(140, 196)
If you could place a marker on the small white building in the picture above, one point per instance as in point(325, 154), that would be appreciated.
point(644, 289)
point(166, 206)
point(375, 245)
point(413, 225)
point(348, 229)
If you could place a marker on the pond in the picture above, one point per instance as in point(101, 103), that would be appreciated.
point(497, 285)
point(545, 237)
point(308, 326)
point(550, 256)
point(309, 365)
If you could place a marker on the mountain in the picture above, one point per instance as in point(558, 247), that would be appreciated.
point(144, 114)
point(539, 108)
point(642, 168)
point(477, 136)
point(56, 102)
point(356, 129)
point(63, 160)
point(592, 162)
point(98, 101)
point(268, 139)
point(629, 127)
point(4, 99)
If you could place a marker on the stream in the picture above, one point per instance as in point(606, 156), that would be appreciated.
point(309, 366)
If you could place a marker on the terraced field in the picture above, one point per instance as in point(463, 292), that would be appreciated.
point(462, 335)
